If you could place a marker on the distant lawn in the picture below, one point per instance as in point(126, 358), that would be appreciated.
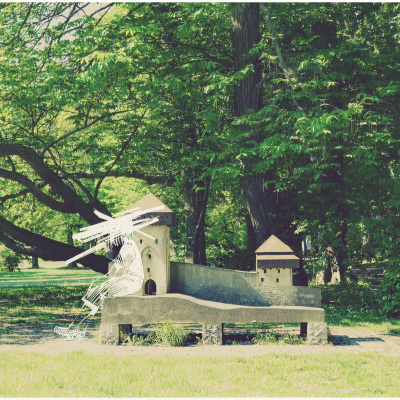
point(271, 375)
point(47, 276)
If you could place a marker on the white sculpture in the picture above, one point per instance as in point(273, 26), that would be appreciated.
point(125, 275)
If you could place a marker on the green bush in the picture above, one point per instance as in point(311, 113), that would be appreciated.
point(277, 337)
point(388, 297)
point(169, 335)
point(10, 261)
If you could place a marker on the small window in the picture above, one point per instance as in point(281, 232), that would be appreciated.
point(262, 279)
point(140, 241)
point(277, 280)
point(279, 271)
point(265, 271)
point(148, 269)
point(149, 256)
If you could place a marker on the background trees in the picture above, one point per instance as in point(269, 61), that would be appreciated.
point(246, 119)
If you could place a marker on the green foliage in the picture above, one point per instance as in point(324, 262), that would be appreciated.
point(265, 338)
point(145, 92)
point(168, 334)
point(388, 296)
point(137, 340)
point(349, 295)
point(10, 261)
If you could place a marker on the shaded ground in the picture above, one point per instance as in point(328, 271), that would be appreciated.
point(36, 337)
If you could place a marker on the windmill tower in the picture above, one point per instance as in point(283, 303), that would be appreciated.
point(155, 252)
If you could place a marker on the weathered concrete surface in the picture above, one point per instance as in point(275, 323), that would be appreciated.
point(180, 308)
point(109, 334)
point(238, 287)
point(212, 334)
point(317, 333)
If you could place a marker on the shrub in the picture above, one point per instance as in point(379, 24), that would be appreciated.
point(10, 261)
point(169, 335)
point(388, 296)
point(276, 337)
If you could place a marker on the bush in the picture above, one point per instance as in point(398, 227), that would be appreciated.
point(10, 261)
point(276, 337)
point(169, 335)
point(388, 296)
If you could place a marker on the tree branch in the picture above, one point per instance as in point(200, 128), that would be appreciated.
point(121, 152)
point(57, 184)
point(32, 188)
point(32, 244)
point(289, 74)
point(54, 142)
point(150, 179)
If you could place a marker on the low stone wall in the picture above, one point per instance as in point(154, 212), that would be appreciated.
point(238, 287)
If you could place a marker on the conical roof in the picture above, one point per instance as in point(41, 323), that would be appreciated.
point(274, 245)
point(150, 201)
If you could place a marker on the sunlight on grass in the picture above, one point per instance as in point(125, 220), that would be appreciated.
point(271, 375)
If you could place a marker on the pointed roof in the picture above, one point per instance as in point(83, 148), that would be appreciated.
point(150, 201)
point(274, 245)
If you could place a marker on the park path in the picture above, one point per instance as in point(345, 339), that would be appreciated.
point(42, 339)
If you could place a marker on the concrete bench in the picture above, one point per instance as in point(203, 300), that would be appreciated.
point(181, 308)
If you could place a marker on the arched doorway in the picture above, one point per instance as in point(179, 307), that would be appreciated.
point(150, 287)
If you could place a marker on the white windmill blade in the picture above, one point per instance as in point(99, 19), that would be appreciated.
point(85, 253)
point(131, 210)
point(112, 223)
point(103, 216)
point(116, 229)
point(145, 234)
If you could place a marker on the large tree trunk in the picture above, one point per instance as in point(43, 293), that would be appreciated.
point(35, 262)
point(261, 200)
point(248, 96)
point(195, 201)
point(70, 241)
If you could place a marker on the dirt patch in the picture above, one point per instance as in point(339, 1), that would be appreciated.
point(42, 338)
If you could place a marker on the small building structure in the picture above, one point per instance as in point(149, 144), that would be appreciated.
point(190, 293)
point(276, 261)
point(155, 252)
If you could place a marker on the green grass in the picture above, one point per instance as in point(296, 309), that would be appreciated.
point(264, 338)
point(272, 375)
point(28, 277)
point(40, 304)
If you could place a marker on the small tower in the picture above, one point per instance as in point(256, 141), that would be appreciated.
point(276, 260)
point(155, 252)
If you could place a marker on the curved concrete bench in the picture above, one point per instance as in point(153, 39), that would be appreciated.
point(181, 308)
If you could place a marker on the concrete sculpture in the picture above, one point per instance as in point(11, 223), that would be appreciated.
point(190, 293)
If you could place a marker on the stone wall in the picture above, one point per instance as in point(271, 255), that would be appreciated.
point(238, 287)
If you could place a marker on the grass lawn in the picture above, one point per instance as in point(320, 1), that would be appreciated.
point(47, 276)
point(79, 374)
point(270, 375)
point(40, 304)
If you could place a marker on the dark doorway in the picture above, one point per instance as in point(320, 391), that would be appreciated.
point(150, 287)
